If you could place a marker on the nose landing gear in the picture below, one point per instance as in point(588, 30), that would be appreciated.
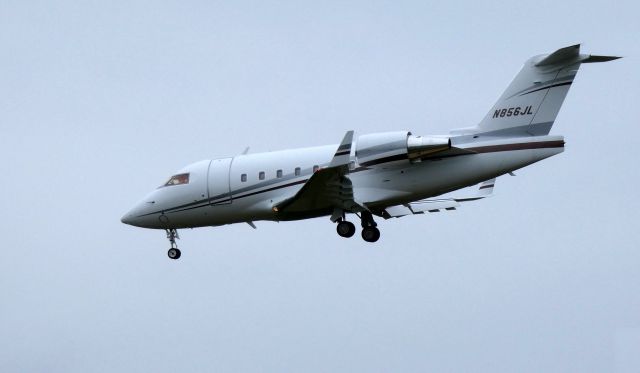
point(174, 252)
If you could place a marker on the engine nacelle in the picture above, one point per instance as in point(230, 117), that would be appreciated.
point(385, 147)
point(419, 146)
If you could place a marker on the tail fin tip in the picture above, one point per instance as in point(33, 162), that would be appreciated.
point(561, 55)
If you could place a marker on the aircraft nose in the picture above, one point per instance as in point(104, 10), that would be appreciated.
point(132, 217)
point(142, 216)
point(127, 219)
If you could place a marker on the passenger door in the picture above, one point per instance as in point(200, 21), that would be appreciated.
point(219, 188)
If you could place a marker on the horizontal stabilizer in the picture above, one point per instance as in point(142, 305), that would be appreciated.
point(572, 54)
point(595, 59)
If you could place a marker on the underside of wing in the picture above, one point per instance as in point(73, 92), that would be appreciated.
point(485, 189)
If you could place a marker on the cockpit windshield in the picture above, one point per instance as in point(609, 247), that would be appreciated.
point(177, 180)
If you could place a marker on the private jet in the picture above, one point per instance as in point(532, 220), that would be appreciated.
point(379, 175)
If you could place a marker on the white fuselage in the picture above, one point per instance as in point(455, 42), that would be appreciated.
point(385, 174)
point(246, 188)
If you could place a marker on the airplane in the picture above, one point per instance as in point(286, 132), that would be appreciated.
point(386, 175)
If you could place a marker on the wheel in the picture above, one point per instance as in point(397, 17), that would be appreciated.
point(370, 234)
point(346, 229)
point(174, 253)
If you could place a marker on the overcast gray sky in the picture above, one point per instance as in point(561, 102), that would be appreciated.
point(100, 101)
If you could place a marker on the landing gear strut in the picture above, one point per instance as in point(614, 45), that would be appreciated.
point(369, 231)
point(174, 252)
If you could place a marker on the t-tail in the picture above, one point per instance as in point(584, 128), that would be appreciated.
point(530, 104)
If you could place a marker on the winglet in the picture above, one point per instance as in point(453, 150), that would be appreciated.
point(342, 155)
point(486, 188)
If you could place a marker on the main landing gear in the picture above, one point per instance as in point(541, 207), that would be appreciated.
point(346, 229)
point(174, 252)
point(369, 231)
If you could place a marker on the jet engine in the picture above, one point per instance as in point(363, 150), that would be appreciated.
point(385, 147)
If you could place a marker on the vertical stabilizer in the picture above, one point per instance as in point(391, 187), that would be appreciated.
point(530, 104)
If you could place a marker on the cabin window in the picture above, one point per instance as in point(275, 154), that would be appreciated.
point(261, 175)
point(316, 168)
point(177, 180)
point(279, 174)
point(297, 171)
point(243, 178)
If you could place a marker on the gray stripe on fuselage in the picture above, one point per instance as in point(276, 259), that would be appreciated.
point(534, 129)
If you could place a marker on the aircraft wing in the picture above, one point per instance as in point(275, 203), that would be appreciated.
point(485, 189)
point(327, 189)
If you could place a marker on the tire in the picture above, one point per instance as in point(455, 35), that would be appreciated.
point(174, 254)
point(346, 229)
point(370, 234)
